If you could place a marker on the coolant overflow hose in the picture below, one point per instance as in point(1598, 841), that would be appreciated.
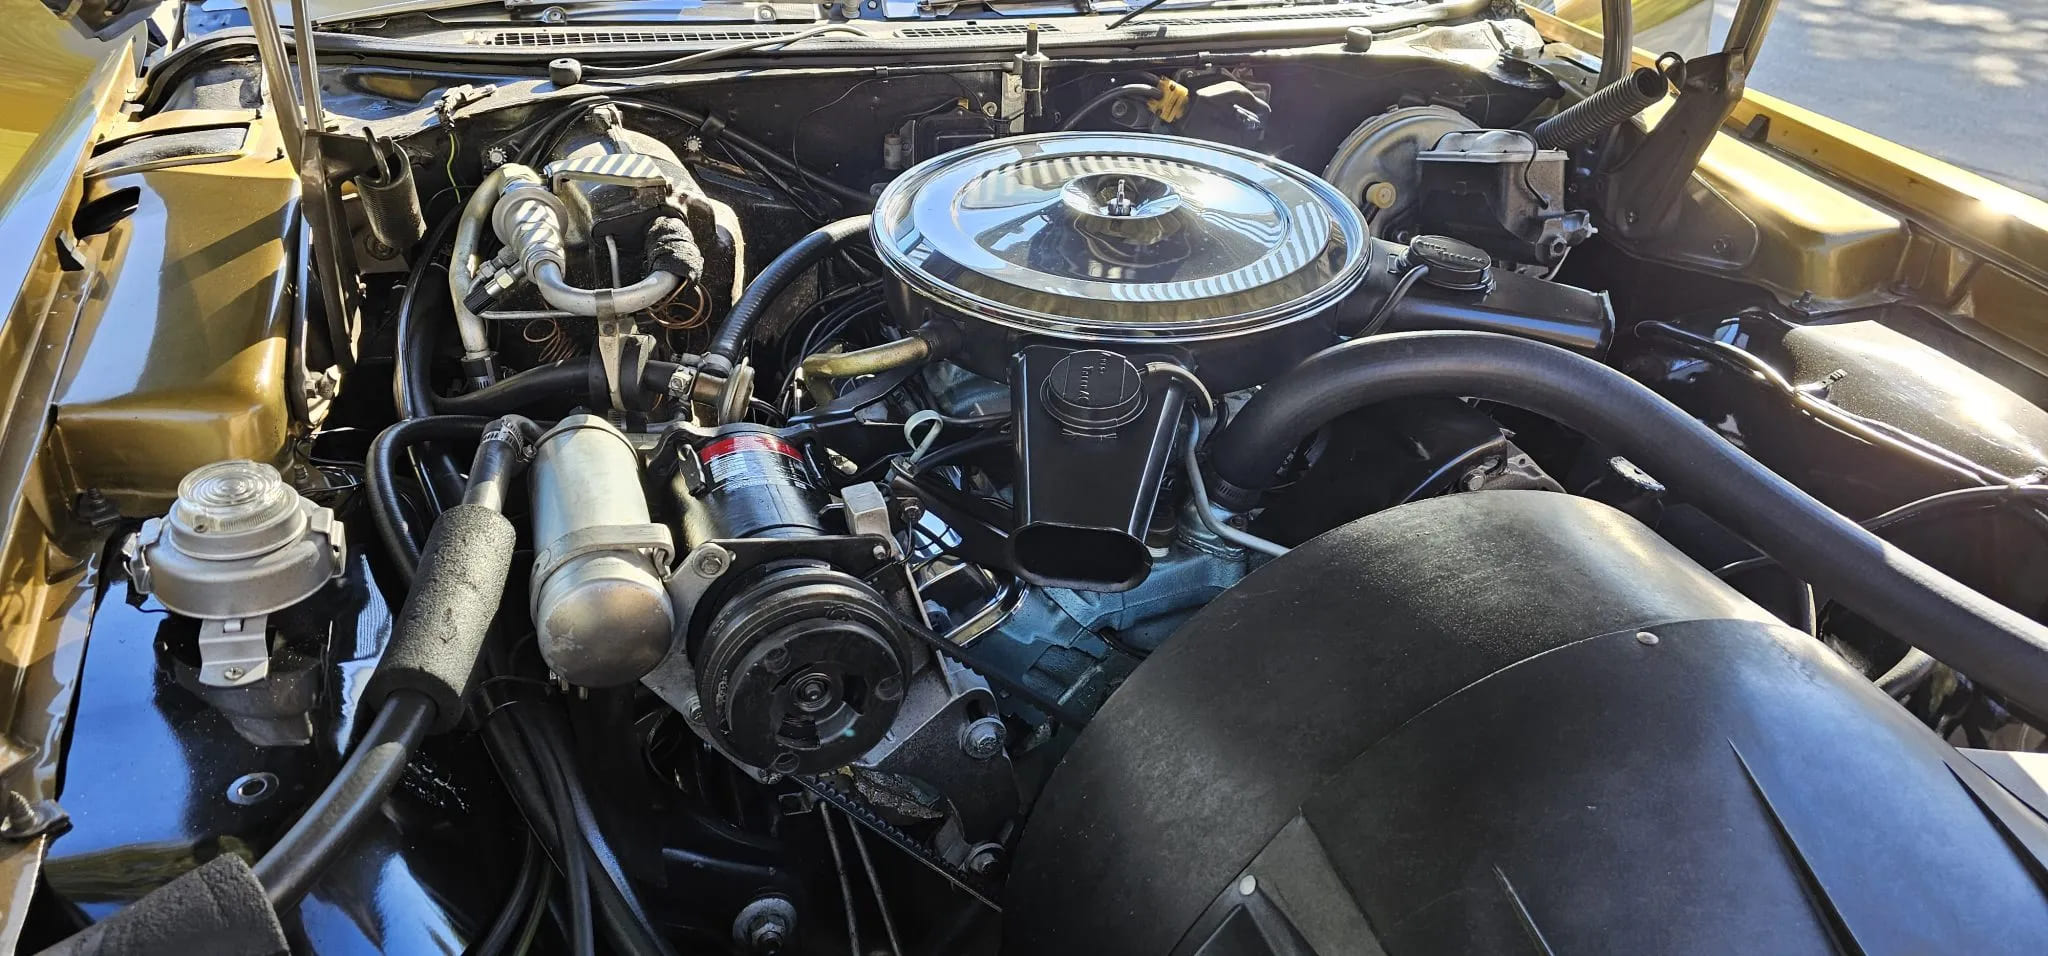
point(1997, 647)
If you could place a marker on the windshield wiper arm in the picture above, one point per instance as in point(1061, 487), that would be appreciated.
point(1146, 7)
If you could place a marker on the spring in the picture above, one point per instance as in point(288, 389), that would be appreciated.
point(1602, 111)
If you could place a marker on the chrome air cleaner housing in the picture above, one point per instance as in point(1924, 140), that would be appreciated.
point(1141, 244)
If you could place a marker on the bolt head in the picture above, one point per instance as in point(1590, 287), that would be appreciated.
point(232, 673)
point(765, 925)
point(711, 564)
point(812, 693)
point(985, 860)
point(767, 936)
point(983, 738)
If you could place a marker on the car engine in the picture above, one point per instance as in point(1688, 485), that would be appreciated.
point(1197, 504)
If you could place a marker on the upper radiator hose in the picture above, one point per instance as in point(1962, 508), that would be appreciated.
point(1996, 646)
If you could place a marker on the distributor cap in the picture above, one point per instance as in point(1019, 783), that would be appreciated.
point(1120, 236)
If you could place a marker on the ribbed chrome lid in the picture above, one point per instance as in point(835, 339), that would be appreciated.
point(1120, 235)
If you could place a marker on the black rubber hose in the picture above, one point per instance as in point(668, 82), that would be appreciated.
point(569, 379)
point(1607, 108)
point(1618, 39)
point(756, 150)
point(625, 917)
point(387, 450)
point(1999, 648)
point(518, 902)
point(817, 245)
point(501, 454)
point(577, 380)
point(1908, 674)
point(572, 857)
point(411, 384)
point(1982, 498)
point(423, 677)
point(1107, 97)
point(349, 801)
point(413, 352)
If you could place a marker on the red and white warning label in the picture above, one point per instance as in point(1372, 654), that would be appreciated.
point(752, 458)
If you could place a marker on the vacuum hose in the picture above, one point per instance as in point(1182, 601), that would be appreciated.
point(1996, 646)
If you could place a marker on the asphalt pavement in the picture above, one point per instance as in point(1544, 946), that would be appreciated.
point(1963, 81)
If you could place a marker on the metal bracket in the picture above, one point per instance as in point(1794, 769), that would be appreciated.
point(867, 512)
point(27, 819)
point(234, 652)
point(942, 705)
point(1644, 194)
point(674, 680)
point(622, 537)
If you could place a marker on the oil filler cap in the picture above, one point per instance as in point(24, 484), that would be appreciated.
point(1094, 390)
point(1452, 264)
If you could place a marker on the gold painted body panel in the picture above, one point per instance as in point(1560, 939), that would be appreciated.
point(179, 356)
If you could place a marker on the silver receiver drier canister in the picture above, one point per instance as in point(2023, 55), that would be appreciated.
point(601, 612)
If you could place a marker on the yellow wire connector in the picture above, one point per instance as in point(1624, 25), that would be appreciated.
point(1172, 103)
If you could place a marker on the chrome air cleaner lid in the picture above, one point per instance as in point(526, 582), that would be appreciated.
point(1119, 237)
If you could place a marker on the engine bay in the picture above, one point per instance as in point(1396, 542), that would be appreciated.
point(1196, 503)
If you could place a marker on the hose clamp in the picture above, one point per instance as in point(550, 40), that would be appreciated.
point(652, 538)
